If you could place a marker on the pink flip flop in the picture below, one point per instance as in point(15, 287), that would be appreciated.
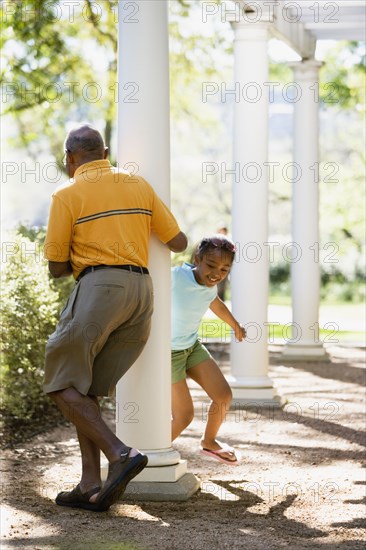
point(225, 449)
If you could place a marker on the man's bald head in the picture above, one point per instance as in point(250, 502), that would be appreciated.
point(86, 141)
point(82, 145)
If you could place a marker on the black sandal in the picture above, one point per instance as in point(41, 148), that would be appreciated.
point(77, 499)
point(119, 475)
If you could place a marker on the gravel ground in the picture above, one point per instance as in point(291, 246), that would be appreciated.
point(300, 483)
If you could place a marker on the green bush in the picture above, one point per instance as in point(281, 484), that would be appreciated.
point(62, 286)
point(29, 310)
point(336, 284)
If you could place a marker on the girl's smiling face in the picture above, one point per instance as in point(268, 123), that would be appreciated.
point(212, 267)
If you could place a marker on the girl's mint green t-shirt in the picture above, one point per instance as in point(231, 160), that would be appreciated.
point(190, 302)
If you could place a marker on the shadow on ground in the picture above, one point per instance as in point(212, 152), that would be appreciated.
point(299, 485)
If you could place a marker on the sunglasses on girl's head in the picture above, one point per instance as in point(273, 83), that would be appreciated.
point(219, 243)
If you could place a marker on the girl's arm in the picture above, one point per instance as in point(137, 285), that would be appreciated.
point(220, 309)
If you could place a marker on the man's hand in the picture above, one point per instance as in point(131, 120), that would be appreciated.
point(60, 269)
point(240, 332)
point(178, 243)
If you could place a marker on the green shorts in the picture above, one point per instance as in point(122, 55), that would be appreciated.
point(184, 359)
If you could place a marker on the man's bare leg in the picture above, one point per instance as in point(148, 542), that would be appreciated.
point(84, 413)
point(90, 460)
point(94, 435)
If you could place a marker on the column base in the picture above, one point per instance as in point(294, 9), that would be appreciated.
point(161, 491)
point(167, 460)
point(301, 352)
point(254, 392)
point(162, 474)
point(160, 483)
point(162, 457)
point(245, 398)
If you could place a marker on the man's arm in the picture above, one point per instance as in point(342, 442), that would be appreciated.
point(178, 243)
point(60, 269)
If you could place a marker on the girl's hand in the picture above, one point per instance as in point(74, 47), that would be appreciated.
point(240, 332)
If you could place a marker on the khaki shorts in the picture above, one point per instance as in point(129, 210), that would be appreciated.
point(102, 330)
point(185, 359)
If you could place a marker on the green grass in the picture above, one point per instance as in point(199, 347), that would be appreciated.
point(217, 329)
point(285, 300)
point(348, 315)
point(280, 300)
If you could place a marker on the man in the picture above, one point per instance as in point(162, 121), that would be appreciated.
point(99, 228)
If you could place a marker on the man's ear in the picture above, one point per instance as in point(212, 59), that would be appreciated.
point(196, 260)
point(106, 152)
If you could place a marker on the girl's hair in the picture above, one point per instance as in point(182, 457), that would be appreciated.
point(212, 243)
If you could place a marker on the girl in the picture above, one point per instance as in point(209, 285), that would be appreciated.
point(194, 289)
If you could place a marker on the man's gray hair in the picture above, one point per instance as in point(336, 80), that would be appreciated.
point(85, 140)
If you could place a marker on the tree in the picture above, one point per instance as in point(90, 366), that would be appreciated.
point(343, 77)
point(47, 78)
point(60, 64)
point(77, 54)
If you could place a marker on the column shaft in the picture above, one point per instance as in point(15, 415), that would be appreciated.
point(143, 395)
point(305, 270)
point(250, 215)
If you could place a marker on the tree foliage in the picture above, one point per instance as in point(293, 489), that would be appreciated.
point(343, 77)
point(48, 74)
point(60, 64)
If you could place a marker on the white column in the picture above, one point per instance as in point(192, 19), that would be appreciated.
point(305, 270)
point(249, 279)
point(144, 394)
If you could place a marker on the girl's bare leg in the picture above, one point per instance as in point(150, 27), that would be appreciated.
point(209, 376)
point(182, 408)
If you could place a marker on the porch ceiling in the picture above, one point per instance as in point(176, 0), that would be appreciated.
point(327, 20)
point(301, 23)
